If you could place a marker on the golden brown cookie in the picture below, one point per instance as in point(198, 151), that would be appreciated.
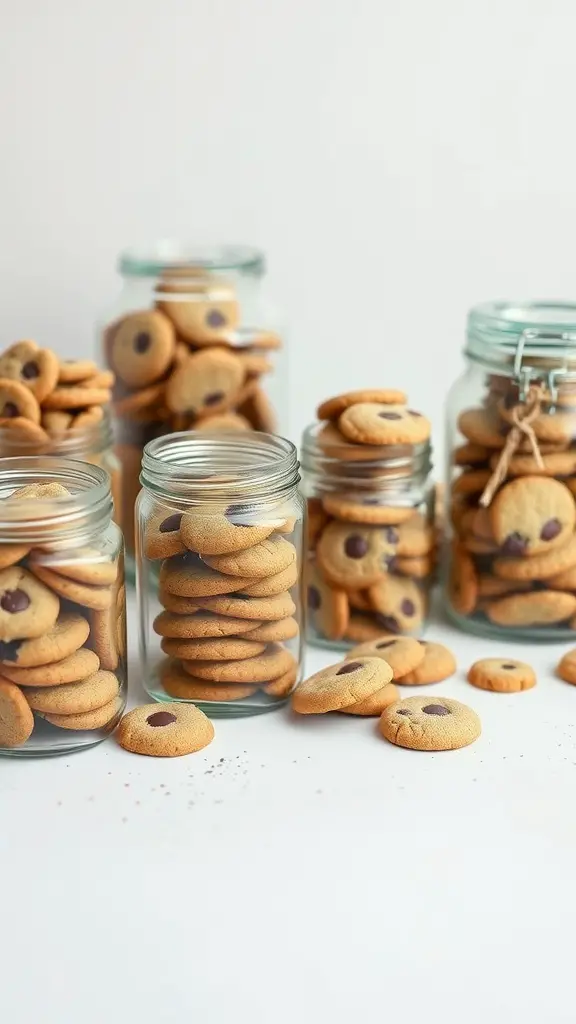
point(81, 593)
point(89, 720)
point(366, 508)
point(255, 405)
point(28, 609)
point(188, 576)
point(532, 514)
point(375, 704)
point(208, 382)
point(415, 537)
point(266, 558)
point(269, 586)
point(437, 665)
point(283, 685)
point(566, 668)
point(355, 557)
point(72, 371)
point(274, 661)
point(274, 632)
point(223, 422)
point(77, 666)
point(182, 686)
point(77, 698)
point(402, 654)
point(463, 581)
point(203, 311)
point(141, 347)
point(16, 400)
point(241, 606)
point(379, 423)
point(399, 605)
point(162, 534)
point(483, 427)
point(333, 408)
point(502, 675)
point(341, 686)
point(551, 563)
point(470, 454)
point(198, 624)
point(36, 368)
point(165, 730)
point(232, 529)
point(74, 396)
point(16, 718)
point(223, 648)
point(362, 628)
point(68, 634)
point(538, 608)
point(12, 553)
point(328, 607)
point(424, 723)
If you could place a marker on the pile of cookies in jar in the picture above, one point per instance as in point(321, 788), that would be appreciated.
point(371, 533)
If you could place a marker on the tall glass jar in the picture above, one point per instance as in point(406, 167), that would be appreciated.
point(62, 607)
point(219, 541)
point(371, 538)
point(510, 565)
point(194, 344)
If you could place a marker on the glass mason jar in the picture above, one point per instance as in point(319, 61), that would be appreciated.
point(193, 342)
point(62, 607)
point(510, 564)
point(371, 537)
point(219, 542)
point(93, 442)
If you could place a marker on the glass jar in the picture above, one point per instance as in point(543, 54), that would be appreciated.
point(510, 563)
point(219, 542)
point(94, 443)
point(62, 607)
point(193, 342)
point(371, 538)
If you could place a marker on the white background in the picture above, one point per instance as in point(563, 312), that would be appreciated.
point(398, 162)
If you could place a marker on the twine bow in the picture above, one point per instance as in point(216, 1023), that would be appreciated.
point(522, 418)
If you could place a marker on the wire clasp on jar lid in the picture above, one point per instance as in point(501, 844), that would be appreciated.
point(524, 375)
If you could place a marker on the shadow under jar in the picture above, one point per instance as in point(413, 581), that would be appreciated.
point(510, 564)
point(62, 607)
point(371, 538)
point(219, 541)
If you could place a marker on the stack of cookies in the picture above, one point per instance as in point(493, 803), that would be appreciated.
point(513, 556)
point(62, 631)
point(371, 533)
point(229, 623)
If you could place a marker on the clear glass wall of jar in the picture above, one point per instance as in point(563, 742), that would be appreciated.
point(510, 564)
point(62, 607)
point(371, 546)
point(219, 540)
point(194, 344)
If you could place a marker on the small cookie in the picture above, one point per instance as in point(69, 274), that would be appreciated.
point(224, 532)
point(269, 586)
point(89, 565)
point(68, 634)
point(502, 675)
point(328, 607)
point(355, 557)
point(223, 422)
point(141, 347)
point(483, 427)
point(333, 408)
point(380, 423)
point(283, 685)
point(225, 648)
point(402, 654)
point(188, 576)
point(81, 593)
point(375, 704)
point(77, 698)
point(538, 608)
point(554, 427)
point(341, 686)
point(470, 454)
point(399, 604)
point(556, 464)
point(417, 568)
point(205, 314)
point(56, 421)
point(437, 665)
point(182, 686)
point(209, 381)
point(35, 368)
point(165, 730)
point(491, 586)
point(241, 606)
point(531, 514)
point(74, 396)
point(274, 632)
point(16, 718)
point(566, 668)
point(273, 662)
point(78, 665)
point(362, 628)
point(97, 719)
point(415, 537)
point(18, 432)
point(87, 419)
point(16, 400)
point(316, 521)
point(198, 625)
point(107, 629)
point(365, 508)
point(100, 379)
point(563, 580)
point(28, 609)
point(421, 723)
point(257, 408)
point(538, 567)
point(463, 581)
point(473, 481)
point(12, 553)
point(72, 371)
point(162, 535)
point(266, 558)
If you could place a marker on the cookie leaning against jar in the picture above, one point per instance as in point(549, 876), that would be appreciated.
point(511, 568)
point(372, 538)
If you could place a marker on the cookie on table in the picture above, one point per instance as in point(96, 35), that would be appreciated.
point(77, 698)
point(328, 607)
point(424, 723)
point(223, 648)
point(277, 583)
point(375, 704)
point(242, 606)
point(354, 557)
point(266, 558)
point(380, 423)
point(557, 562)
point(366, 509)
point(199, 624)
point(341, 686)
point(165, 730)
point(399, 605)
point(437, 664)
point(36, 368)
point(28, 609)
point(76, 667)
point(68, 634)
point(566, 668)
point(141, 347)
point(100, 718)
point(536, 608)
point(17, 401)
point(403, 654)
point(531, 515)
point(207, 382)
point(221, 533)
point(16, 718)
point(502, 675)
point(333, 408)
point(262, 668)
point(188, 576)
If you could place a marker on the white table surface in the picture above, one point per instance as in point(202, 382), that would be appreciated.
point(300, 869)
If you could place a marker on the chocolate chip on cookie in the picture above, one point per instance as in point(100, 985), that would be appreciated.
point(35, 368)
point(333, 408)
point(376, 423)
point(28, 609)
point(399, 605)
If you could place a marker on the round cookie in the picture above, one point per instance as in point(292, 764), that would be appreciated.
point(379, 423)
point(223, 648)
point(162, 535)
point(283, 685)
point(470, 454)
point(538, 567)
point(81, 593)
point(415, 537)
point(89, 565)
point(16, 718)
point(552, 427)
point(266, 558)
point(502, 675)
point(77, 666)
point(182, 686)
point(209, 381)
point(341, 686)
point(35, 368)
point(274, 632)
point(28, 609)
point(12, 553)
point(107, 627)
point(177, 605)
point(463, 581)
point(402, 654)
point(328, 607)
point(165, 730)
point(75, 396)
point(367, 509)
point(97, 719)
point(537, 608)
point(531, 514)
point(473, 481)
point(198, 625)
point(72, 371)
point(207, 312)
point(375, 704)
point(188, 576)
point(68, 634)
point(224, 532)
point(437, 665)
point(19, 431)
point(269, 586)
point(141, 347)
point(86, 419)
point(399, 604)
point(483, 427)
point(333, 408)
point(566, 668)
point(273, 662)
point(16, 400)
point(241, 606)
point(362, 628)
point(355, 557)
point(558, 464)
point(223, 422)
point(77, 698)
point(424, 723)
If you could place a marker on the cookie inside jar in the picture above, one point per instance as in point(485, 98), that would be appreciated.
point(371, 546)
point(511, 513)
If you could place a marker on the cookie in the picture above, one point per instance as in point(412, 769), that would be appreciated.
point(89, 565)
point(274, 632)
point(491, 586)
point(40, 491)
point(537, 608)
point(333, 408)
point(262, 668)
point(375, 704)
point(98, 719)
point(483, 427)
point(178, 605)
point(81, 593)
point(422, 723)
point(198, 625)
point(399, 605)
point(502, 675)
point(188, 576)
point(333, 445)
point(563, 580)
point(16, 718)
point(12, 553)
point(531, 514)
point(28, 609)
point(437, 665)
point(254, 361)
point(72, 371)
point(207, 312)
point(266, 558)
point(87, 419)
point(141, 347)
point(538, 567)
point(463, 581)
point(470, 454)
point(77, 698)
point(355, 557)
point(359, 600)
point(254, 404)
point(36, 368)
point(283, 685)
point(315, 521)
point(417, 568)
point(74, 396)
point(16, 400)
point(241, 606)
point(473, 481)
point(381, 423)
point(78, 665)
point(402, 654)
point(182, 686)
point(554, 427)
point(566, 669)
point(362, 628)
point(68, 634)
point(165, 730)
point(225, 648)
point(365, 508)
point(558, 464)
point(341, 686)
point(56, 421)
point(162, 535)
point(269, 586)
point(415, 537)
point(223, 422)
point(209, 381)
point(107, 627)
point(100, 379)
point(328, 607)
point(147, 402)
point(224, 532)
point(19, 432)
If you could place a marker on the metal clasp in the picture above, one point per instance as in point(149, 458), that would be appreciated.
point(525, 374)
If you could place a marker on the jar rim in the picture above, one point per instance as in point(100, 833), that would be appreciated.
point(393, 460)
point(507, 333)
point(73, 444)
point(90, 495)
point(167, 254)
